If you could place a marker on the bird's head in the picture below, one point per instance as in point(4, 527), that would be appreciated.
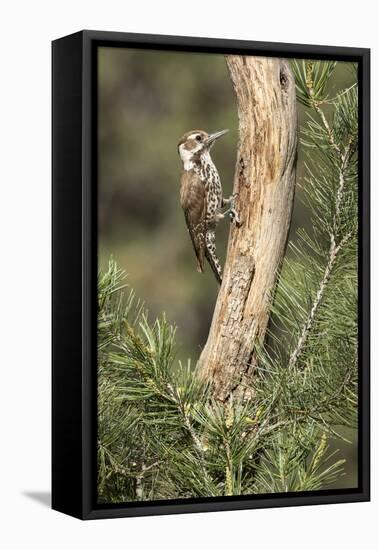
point(193, 145)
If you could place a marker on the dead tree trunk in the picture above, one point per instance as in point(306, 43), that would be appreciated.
point(264, 181)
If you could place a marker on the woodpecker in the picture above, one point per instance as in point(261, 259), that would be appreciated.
point(201, 196)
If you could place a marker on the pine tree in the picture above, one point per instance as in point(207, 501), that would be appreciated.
point(161, 434)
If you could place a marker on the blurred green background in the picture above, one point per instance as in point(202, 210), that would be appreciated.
point(146, 101)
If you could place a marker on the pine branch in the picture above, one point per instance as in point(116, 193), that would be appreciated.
point(334, 248)
point(333, 254)
point(197, 442)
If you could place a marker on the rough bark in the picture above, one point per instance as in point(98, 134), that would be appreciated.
point(265, 181)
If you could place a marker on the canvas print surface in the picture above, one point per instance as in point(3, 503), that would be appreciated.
point(228, 279)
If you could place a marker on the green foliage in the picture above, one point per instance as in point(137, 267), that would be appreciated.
point(298, 462)
point(161, 435)
point(312, 79)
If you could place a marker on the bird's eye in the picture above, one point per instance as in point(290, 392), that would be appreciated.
point(198, 138)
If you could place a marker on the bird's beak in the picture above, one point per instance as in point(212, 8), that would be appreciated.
point(212, 137)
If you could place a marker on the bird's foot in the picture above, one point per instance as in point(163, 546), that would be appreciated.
point(234, 217)
point(230, 200)
point(233, 214)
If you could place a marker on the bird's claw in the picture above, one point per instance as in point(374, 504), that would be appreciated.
point(234, 218)
point(231, 211)
point(233, 214)
point(231, 199)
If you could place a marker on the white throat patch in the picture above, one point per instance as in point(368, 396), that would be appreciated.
point(186, 157)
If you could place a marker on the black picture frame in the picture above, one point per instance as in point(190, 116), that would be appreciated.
point(74, 272)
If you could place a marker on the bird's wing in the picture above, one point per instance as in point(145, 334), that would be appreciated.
point(193, 200)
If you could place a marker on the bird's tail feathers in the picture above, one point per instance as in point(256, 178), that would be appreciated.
point(210, 254)
point(214, 267)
